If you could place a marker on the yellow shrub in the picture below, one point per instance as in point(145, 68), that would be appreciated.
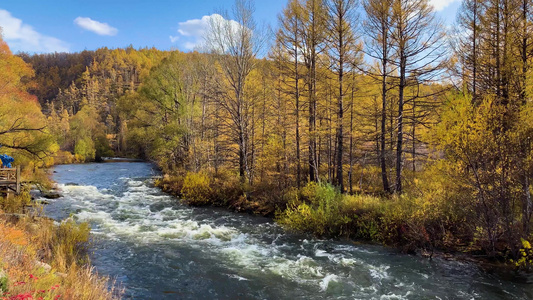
point(70, 243)
point(525, 258)
point(196, 189)
point(15, 204)
point(63, 157)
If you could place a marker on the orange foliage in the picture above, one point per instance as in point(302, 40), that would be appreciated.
point(22, 123)
point(14, 73)
point(13, 235)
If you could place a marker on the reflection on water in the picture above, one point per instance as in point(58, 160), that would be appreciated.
point(160, 249)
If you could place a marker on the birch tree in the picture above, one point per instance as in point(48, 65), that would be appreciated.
point(236, 44)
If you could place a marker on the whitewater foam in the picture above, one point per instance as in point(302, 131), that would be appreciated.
point(324, 284)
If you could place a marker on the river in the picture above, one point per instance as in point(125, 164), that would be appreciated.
point(157, 248)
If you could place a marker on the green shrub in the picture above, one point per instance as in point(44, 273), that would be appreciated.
point(4, 282)
point(366, 212)
point(317, 193)
point(102, 148)
point(84, 149)
point(409, 222)
point(316, 208)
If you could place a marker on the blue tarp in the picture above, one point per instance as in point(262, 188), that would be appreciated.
point(6, 160)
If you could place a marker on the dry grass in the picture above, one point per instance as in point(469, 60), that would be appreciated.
point(47, 261)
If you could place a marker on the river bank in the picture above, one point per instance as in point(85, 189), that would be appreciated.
point(44, 259)
point(414, 225)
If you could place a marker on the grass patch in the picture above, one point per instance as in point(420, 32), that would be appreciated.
point(43, 259)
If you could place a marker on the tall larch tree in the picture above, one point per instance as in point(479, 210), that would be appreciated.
point(313, 35)
point(287, 54)
point(418, 43)
point(467, 44)
point(378, 47)
point(343, 53)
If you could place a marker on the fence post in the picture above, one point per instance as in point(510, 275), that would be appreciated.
point(18, 180)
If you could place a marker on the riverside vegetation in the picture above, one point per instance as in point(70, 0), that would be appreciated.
point(42, 260)
point(357, 121)
point(39, 259)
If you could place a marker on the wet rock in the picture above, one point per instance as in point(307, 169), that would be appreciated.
point(41, 202)
point(45, 266)
point(35, 194)
point(52, 195)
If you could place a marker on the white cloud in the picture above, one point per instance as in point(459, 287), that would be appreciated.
point(441, 4)
point(22, 37)
point(95, 26)
point(194, 27)
point(190, 45)
point(193, 32)
point(174, 39)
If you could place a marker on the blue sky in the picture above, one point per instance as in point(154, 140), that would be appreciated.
point(41, 26)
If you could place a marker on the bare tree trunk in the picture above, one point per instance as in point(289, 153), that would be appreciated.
point(413, 152)
point(340, 135)
point(216, 145)
point(350, 173)
point(527, 206)
point(331, 149)
point(382, 159)
point(297, 108)
point(343, 54)
point(399, 143)
point(312, 126)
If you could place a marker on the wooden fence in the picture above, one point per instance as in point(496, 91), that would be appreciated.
point(10, 180)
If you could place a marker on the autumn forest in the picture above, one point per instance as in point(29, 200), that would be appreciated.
point(369, 120)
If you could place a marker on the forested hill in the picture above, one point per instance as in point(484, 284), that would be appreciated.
point(384, 127)
point(67, 82)
point(57, 74)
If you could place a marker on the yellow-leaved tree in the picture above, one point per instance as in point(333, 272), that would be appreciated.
point(488, 153)
point(23, 132)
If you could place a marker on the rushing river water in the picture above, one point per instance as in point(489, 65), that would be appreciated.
point(157, 248)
